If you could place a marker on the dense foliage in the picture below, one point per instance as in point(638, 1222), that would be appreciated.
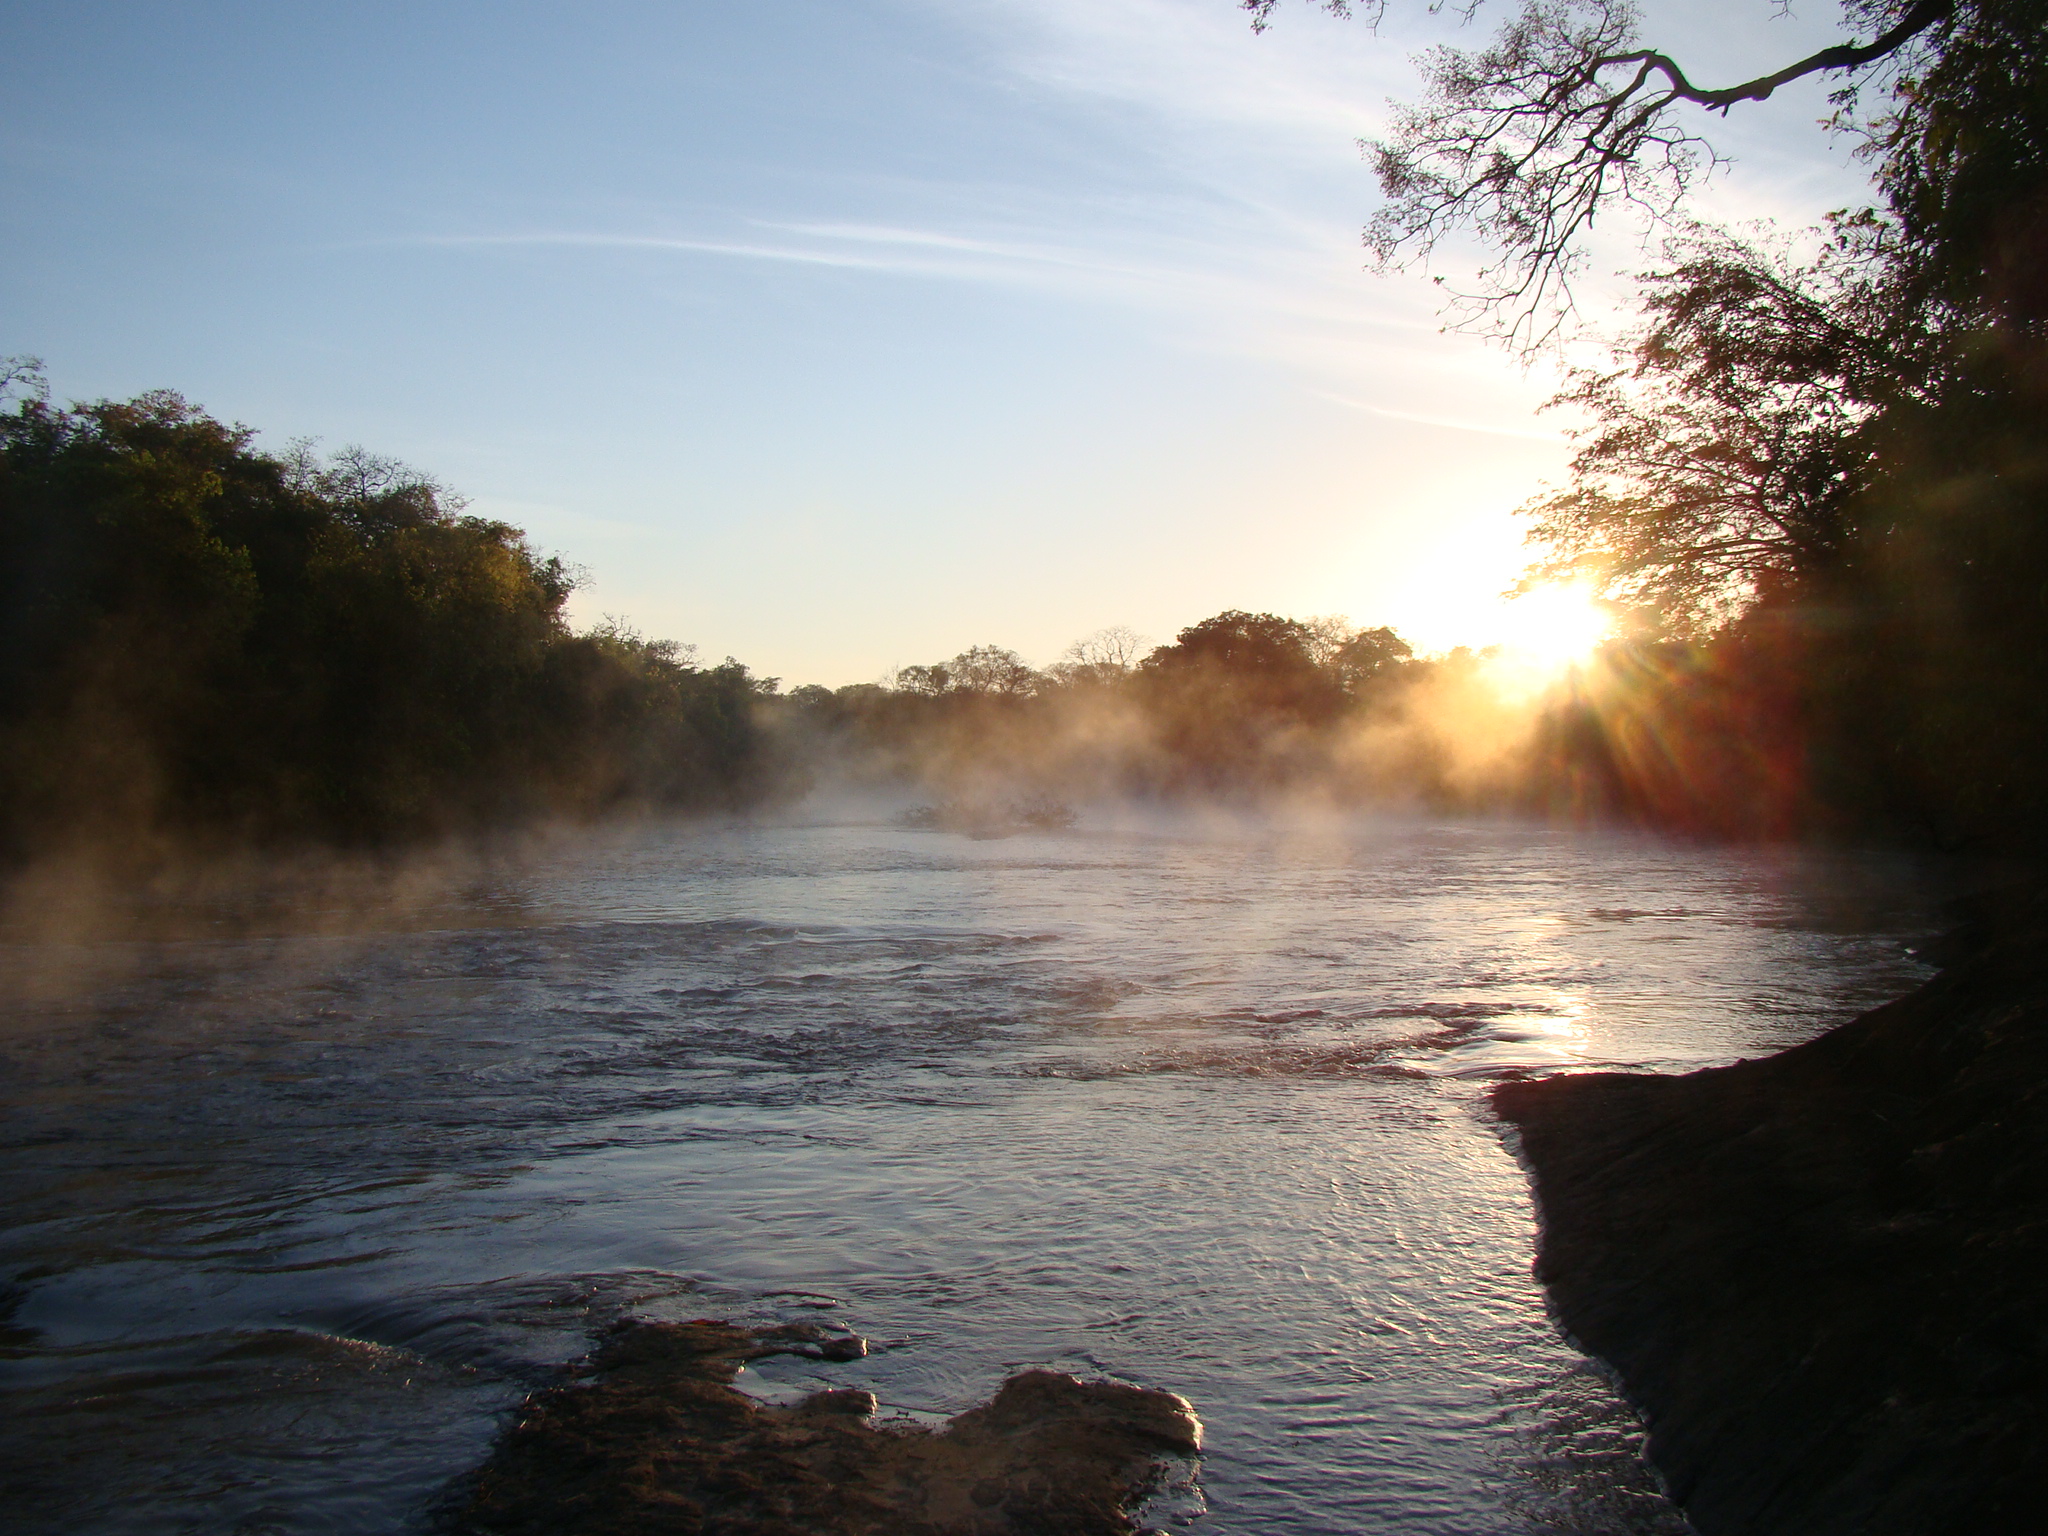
point(203, 641)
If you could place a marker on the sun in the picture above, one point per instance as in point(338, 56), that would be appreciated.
point(1552, 628)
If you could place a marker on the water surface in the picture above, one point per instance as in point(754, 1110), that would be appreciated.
point(294, 1211)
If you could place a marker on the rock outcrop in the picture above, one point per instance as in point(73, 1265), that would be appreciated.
point(1823, 1276)
point(655, 1441)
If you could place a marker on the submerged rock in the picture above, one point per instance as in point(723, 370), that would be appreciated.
point(1821, 1275)
point(657, 1442)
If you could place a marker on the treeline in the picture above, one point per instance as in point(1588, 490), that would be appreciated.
point(203, 645)
point(203, 642)
point(1708, 738)
point(1238, 704)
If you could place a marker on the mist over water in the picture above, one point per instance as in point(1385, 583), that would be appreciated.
point(299, 1203)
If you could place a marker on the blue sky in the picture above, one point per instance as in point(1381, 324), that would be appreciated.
point(830, 334)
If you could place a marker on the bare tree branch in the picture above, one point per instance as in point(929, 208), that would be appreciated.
point(1924, 14)
point(1563, 116)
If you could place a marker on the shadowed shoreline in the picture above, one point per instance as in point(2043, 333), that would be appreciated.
point(1818, 1274)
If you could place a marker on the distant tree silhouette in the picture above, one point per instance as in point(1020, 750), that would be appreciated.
point(1241, 644)
point(990, 669)
point(1233, 694)
point(929, 681)
point(1369, 657)
point(1103, 657)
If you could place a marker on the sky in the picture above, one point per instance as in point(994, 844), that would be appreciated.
point(833, 335)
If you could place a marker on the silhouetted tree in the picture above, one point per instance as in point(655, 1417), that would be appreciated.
point(990, 669)
point(1105, 654)
point(1368, 658)
point(1234, 694)
point(1729, 451)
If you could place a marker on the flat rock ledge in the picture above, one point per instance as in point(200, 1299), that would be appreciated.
point(655, 1441)
point(1823, 1276)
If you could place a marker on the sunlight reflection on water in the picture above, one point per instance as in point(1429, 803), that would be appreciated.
point(292, 1219)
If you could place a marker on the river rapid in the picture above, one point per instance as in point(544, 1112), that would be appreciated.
point(296, 1206)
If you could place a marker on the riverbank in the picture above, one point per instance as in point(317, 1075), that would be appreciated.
point(1818, 1274)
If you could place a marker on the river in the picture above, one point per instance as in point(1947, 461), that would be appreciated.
point(298, 1203)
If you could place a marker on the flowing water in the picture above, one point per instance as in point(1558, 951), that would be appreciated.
point(296, 1210)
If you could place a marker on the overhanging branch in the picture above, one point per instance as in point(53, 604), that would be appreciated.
point(1841, 56)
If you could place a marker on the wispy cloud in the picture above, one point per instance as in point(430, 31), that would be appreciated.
point(1218, 201)
point(603, 241)
point(1188, 61)
point(1289, 299)
point(1450, 423)
point(1216, 275)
